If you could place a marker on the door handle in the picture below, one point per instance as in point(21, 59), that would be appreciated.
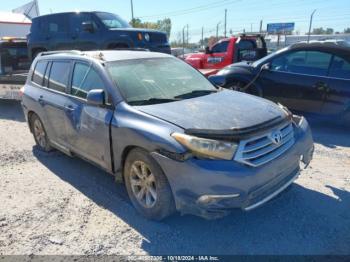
point(69, 108)
point(321, 86)
point(41, 100)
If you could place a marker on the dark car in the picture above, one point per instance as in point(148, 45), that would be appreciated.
point(311, 78)
point(14, 65)
point(160, 126)
point(91, 31)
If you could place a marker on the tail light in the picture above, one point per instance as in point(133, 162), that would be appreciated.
point(21, 92)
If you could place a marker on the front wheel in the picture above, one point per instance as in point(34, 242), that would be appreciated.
point(147, 186)
point(242, 87)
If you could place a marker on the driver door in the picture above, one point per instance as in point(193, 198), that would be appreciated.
point(298, 80)
point(218, 57)
point(87, 126)
point(84, 40)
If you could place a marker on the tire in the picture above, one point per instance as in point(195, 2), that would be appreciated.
point(237, 85)
point(39, 133)
point(156, 201)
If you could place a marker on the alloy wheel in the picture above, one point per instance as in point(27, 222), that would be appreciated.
point(39, 133)
point(143, 184)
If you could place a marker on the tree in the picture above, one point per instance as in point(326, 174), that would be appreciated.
point(162, 25)
point(347, 30)
point(321, 31)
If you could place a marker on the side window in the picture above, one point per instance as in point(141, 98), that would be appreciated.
point(340, 68)
point(57, 24)
point(39, 71)
point(79, 19)
point(85, 79)
point(304, 62)
point(220, 47)
point(59, 75)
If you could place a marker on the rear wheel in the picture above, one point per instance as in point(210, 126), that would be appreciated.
point(147, 186)
point(39, 133)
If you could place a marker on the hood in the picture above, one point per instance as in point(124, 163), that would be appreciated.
point(225, 110)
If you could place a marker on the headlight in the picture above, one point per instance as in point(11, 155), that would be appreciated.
point(300, 121)
point(147, 37)
point(207, 147)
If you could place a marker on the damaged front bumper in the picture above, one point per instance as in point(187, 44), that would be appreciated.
point(212, 188)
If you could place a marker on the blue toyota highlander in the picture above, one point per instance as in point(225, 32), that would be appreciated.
point(158, 125)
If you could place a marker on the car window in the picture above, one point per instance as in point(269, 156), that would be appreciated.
point(57, 24)
point(79, 19)
point(39, 71)
point(59, 75)
point(112, 20)
point(220, 47)
point(85, 78)
point(303, 62)
point(340, 68)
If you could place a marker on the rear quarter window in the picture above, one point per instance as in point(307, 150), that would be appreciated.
point(39, 72)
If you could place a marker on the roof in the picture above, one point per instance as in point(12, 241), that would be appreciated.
point(327, 46)
point(13, 18)
point(108, 56)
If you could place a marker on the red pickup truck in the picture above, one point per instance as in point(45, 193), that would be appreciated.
point(228, 51)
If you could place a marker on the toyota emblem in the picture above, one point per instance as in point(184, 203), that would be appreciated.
point(276, 137)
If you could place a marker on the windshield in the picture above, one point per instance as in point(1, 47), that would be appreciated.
point(13, 57)
point(158, 80)
point(112, 20)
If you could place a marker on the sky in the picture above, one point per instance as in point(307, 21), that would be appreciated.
point(241, 14)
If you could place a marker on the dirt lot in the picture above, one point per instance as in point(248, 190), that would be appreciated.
point(54, 204)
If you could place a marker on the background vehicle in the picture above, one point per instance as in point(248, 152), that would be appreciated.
point(228, 51)
point(162, 127)
point(14, 65)
point(312, 78)
point(90, 31)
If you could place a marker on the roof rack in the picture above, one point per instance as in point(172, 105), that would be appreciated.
point(74, 52)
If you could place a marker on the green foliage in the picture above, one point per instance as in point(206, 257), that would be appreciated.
point(162, 25)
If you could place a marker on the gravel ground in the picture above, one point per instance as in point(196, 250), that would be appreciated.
point(54, 204)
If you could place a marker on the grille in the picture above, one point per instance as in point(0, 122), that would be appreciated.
point(158, 38)
point(260, 150)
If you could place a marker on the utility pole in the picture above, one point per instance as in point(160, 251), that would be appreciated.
point(311, 17)
point(251, 27)
point(132, 13)
point(261, 23)
point(202, 43)
point(183, 40)
point(225, 22)
point(217, 31)
point(187, 36)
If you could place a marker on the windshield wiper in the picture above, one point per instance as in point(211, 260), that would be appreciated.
point(153, 100)
point(196, 93)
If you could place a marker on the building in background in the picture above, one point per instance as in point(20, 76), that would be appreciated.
point(17, 23)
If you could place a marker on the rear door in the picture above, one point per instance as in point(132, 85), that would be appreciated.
point(337, 96)
point(298, 80)
point(84, 40)
point(88, 125)
point(58, 32)
point(55, 99)
point(218, 58)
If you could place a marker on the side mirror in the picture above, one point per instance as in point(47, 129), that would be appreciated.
point(266, 66)
point(207, 50)
point(96, 97)
point(216, 80)
point(88, 27)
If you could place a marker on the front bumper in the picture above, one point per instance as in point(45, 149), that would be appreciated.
point(211, 188)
